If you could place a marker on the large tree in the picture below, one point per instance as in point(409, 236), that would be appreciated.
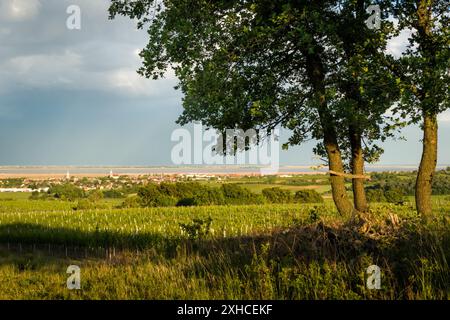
point(260, 64)
point(368, 87)
point(424, 74)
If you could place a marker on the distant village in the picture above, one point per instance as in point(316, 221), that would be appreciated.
point(107, 182)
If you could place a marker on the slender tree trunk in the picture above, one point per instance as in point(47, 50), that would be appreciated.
point(430, 126)
point(427, 164)
point(316, 75)
point(336, 164)
point(357, 164)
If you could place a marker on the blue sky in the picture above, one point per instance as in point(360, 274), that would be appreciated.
point(72, 97)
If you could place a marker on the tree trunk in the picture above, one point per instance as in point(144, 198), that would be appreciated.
point(316, 75)
point(335, 163)
point(357, 164)
point(427, 164)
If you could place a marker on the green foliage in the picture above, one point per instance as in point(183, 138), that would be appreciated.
point(395, 196)
point(235, 194)
point(130, 202)
point(227, 83)
point(405, 181)
point(277, 195)
point(314, 214)
point(66, 191)
point(378, 193)
point(209, 196)
point(375, 195)
point(113, 194)
point(12, 182)
point(308, 196)
point(196, 194)
point(186, 202)
point(163, 201)
point(151, 196)
point(423, 70)
point(95, 195)
point(198, 229)
point(35, 195)
point(87, 204)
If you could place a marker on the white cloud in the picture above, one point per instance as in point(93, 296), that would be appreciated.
point(19, 10)
point(42, 70)
point(67, 70)
point(397, 45)
point(445, 116)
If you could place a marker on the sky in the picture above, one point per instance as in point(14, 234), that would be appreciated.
point(73, 97)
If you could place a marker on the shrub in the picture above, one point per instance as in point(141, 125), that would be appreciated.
point(395, 196)
point(378, 193)
point(95, 195)
point(169, 189)
point(308, 196)
point(164, 201)
point(66, 192)
point(151, 196)
point(35, 195)
point(375, 195)
point(209, 196)
point(131, 202)
point(180, 189)
point(235, 194)
point(113, 194)
point(186, 202)
point(148, 194)
point(277, 195)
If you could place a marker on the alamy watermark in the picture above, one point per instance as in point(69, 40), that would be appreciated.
point(74, 280)
point(73, 22)
point(234, 147)
point(373, 277)
point(374, 20)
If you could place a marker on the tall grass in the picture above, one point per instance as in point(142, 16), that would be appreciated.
point(248, 252)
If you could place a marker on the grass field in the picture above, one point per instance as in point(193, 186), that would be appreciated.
point(286, 251)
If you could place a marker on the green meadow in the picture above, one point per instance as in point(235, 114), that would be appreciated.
point(265, 251)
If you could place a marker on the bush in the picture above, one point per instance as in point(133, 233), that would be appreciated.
point(148, 194)
point(235, 194)
point(66, 192)
point(395, 196)
point(385, 194)
point(131, 202)
point(277, 195)
point(113, 194)
point(375, 195)
point(180, 189)
point(35, 195)
point(209, 196)
point(308, 196)
point(164, 201)
point(95, 195)
point(186, 202)
point(151, 196)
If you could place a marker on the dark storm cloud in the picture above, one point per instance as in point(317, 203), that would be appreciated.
point(73, 96)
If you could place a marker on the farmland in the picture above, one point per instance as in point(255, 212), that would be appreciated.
point(264, 251)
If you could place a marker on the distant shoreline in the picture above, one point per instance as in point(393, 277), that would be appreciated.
point(57, 172)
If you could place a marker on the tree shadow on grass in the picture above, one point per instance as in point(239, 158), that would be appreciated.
point(26, 237)
point(401, 247)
